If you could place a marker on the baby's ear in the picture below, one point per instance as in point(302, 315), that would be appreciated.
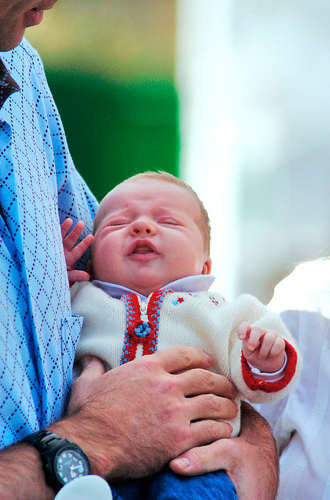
point(90, 270)
point(207, 266)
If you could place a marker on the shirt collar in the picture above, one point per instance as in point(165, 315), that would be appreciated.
point(199, 283)
point(7, 84)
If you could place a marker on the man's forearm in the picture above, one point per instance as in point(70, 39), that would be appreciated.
point(21, 474)
point(264, 460)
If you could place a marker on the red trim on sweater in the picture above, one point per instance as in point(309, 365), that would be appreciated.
point(153, 312)
point(256, 384)
point(132, 318)
point(133, 322)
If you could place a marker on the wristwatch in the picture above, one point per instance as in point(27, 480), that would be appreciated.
point(62, 459)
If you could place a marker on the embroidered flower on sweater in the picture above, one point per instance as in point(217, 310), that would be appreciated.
point(178, 301)
point(216, 302)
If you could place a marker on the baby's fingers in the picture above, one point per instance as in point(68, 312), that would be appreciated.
point(81, 248)
point(253, 341)
point(71, 239)
point(278, 347)
point(271, 344)
point(243, 330)
point(77, 275)
point(65, 226)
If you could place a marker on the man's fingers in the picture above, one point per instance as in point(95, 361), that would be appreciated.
point(200, 381)
point(202, 459)
point(209, 406)
point(179, 358)
point(207, 431)
point(92, 367)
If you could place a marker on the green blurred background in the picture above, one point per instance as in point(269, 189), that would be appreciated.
point(110, 66)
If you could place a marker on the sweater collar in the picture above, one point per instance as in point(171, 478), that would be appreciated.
point(199, 283)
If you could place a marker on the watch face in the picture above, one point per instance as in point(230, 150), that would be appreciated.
point(70, 464)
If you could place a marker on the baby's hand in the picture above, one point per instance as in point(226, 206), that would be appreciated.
point(263, 349)
point(73, 253)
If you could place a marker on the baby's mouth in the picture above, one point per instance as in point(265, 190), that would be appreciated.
point(142, 250)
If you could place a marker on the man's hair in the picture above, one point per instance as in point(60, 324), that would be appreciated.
point(204, 223)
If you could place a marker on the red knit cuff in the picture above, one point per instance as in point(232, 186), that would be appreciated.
point(256, 384)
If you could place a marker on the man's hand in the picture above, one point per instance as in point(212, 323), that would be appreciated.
point(250, 460)
point(134, 419)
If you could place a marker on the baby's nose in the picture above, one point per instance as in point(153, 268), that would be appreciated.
point(142, 226)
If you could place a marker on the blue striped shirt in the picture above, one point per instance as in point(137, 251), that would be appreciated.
point(39, 188)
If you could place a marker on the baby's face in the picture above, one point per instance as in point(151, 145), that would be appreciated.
point(148, 235)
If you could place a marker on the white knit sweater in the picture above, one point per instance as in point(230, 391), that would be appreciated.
point(116, 330)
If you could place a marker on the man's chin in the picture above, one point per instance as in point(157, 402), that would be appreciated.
point(33, 17)
point(11, 35)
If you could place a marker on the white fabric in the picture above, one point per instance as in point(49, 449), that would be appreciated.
point(201, 319)
point(307, 287)
point(301, 421)
point(85, 488)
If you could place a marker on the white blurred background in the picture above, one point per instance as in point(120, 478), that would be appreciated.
point(253, 87)
point(254, 92)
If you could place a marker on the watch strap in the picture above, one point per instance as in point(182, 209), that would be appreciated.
point(42, 439)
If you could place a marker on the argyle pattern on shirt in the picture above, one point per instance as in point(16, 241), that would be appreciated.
point(39, 188)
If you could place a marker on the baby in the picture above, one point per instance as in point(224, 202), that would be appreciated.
point(150, 272)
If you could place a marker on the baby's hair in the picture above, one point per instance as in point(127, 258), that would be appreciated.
point(161, 175)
